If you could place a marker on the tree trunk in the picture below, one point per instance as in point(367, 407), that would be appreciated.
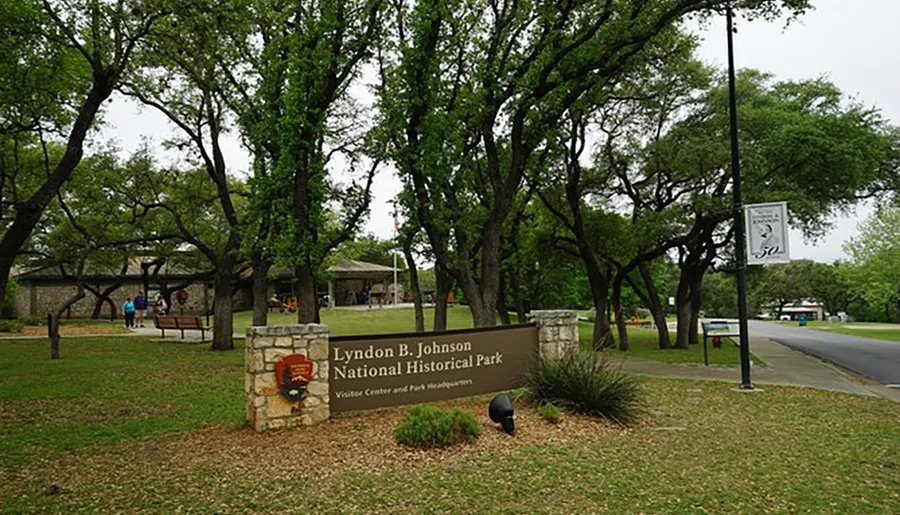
point(223, 314)
point(53, 318)
point(261, 268)
point(103, 296)
point(307, 303)
point(483, 311)
point(656, 308)
point(482, 294)
point(501, 301)
point(53, 334)
point(599, 283)
point(443, 286)
point(683, 308)
point(619, 312)
point(414, 284)
point(696, 304)
point(516, 288)
point(29, 213)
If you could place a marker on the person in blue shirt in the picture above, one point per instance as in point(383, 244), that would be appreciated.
point(140, 305)
point(128, 309)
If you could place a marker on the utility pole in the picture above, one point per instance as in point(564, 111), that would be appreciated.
point(394, 251)
point(740, 250)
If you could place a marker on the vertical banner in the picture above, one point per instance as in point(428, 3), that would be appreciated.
point(767, 233)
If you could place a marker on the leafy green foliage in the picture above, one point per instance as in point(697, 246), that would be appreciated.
point(549, 412)
point(7, 302)
point(426, 427)
point(32, 320)
point(371, 249)
point(875, 259)
point(584, 382)
point(10, 326)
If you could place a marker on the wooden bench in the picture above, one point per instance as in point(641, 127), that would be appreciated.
point(180, 323)
point(717, 329)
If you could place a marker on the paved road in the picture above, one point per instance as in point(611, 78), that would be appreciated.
point(878, 360)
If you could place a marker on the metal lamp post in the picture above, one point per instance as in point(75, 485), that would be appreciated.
point(739, 248)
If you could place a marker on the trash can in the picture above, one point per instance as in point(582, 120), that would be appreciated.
point(803, 320)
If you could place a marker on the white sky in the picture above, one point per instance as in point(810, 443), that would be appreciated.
point(847, 41)
point(850, 43)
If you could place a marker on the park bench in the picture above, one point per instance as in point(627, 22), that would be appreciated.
point(181, 323)
point(717, 329)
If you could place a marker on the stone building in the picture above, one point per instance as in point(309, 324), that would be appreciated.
point(43, 290)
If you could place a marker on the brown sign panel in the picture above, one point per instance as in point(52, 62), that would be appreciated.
point(368, 372)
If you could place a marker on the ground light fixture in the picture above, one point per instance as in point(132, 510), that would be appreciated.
point(501, 412)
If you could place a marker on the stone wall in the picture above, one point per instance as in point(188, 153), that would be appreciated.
point(266, 407)
point(557, 331)
point(37, 298)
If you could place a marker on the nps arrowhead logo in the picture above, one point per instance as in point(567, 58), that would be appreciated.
point(293, 373)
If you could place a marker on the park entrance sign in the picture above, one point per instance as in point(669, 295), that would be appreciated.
point(392, 370)
point(300, 375)
point(767, 233)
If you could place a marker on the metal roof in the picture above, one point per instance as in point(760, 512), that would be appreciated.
point(354, 266)
point(96, 270)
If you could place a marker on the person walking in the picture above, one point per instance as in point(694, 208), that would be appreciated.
point(128, 309)
point(140, 306)
point(161, 305)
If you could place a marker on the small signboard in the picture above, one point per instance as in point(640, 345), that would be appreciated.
point(293, 373)
point(368, 372)
point(767, 233)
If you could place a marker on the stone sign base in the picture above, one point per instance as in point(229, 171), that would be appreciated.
point(557, 331)
point(267, 408)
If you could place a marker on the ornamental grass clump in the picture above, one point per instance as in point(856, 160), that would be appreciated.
point(427, 427)
point(550, 413)
point(584, 382)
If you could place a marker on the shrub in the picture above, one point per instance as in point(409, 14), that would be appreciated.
point(32, 320)
point(584, 382)
point(550, 412)
point(7, 300)
point(427, 426)
point(10, 326)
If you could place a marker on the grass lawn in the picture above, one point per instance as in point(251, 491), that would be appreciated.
point(890, 332)
point(371, 321)
point(73, 327)
point(110, 390)
point(100, 424)
point(644, 344)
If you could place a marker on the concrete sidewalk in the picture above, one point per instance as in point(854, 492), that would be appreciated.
point(783, 366)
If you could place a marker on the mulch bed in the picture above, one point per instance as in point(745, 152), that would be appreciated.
point(362, 443)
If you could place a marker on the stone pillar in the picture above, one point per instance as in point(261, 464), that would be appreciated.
point(557, 331)
point(267, 408)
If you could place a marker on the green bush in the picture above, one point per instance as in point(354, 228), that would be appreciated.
point(427, 426)
point(584, 382)
point(32, 320)
point(8, 299)
point(10, 326)
point(550, 412)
